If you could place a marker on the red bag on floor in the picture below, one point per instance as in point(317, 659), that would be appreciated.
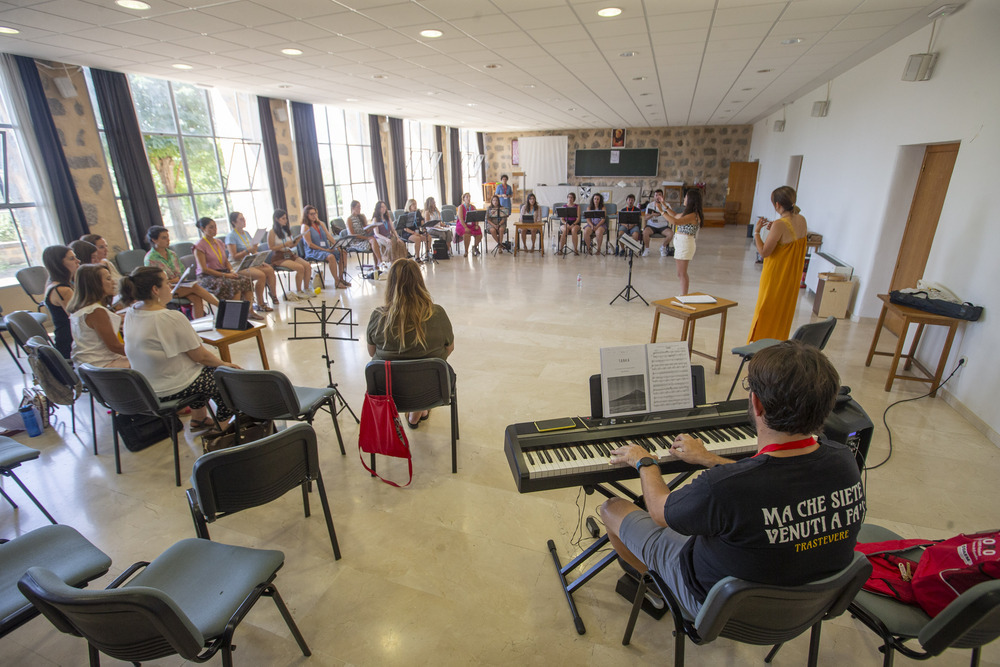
point(381, 430)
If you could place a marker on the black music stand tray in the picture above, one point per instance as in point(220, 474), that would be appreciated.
point(325, 316)
point(628, 292)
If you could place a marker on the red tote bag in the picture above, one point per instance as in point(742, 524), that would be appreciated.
point(381, 430)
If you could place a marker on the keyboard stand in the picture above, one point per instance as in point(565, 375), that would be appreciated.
point(569, 587)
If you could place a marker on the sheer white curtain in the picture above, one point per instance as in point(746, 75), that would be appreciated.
point(544, 160)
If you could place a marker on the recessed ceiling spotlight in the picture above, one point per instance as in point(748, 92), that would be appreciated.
point(609, 12)
point(433, 92)
point(181, 66)
point(763, 71)
point(649, 105)
point(793, 40)
point(643, 94)
point(132, 4)
point(379, 76)
point(471, 104)
point(746, 89)
point(351, 99)
point(493, 66)
point(627, 54)
point(737, 102)
point(292, 52)
point(528, 85)
point(638, 78)
point(571, 109)
point(284, 85)
point(431, 34)
point(4, 30)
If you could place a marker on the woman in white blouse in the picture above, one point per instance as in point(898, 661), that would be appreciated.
point(95, 327)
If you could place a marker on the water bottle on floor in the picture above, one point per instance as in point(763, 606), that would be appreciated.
point(579, 280)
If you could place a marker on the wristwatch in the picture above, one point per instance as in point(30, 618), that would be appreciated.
point(644, 461)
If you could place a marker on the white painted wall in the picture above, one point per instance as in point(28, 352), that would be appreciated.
point(857, 173)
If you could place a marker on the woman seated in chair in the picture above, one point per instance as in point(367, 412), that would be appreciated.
point(61, 263)
point(364, 239)
point(410, 325)
point(319, 246)
point(95, 326)
point(162, 256)
point(466, 230)
point(570, 225)
point(101, 255)
point(496, 222)
point(414, 232)
point(436, 227)
point(163, 346)
point(240, 244)
point(215, 273)
point(282, 245)
point(385, 233)
point(595, 226)
point(530, 212)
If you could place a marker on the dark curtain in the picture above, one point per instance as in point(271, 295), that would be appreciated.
point(378, 160)
point(456, 166)
point(439, 143)
point(271, 158)
point(398, 161)
point(128, 157)
point(482, 151)
point(310, 170)
point(65, 200)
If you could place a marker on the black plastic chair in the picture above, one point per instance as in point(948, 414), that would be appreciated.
point(32, 280)
point(970, 622)
point(816, 334)
point(12, 455)
point(270, 395)
point(758, 614)
point(126, 392)
point(24, 325)
point(418, 384)
point(229, 480)
point(129, 260)
point(182, 248)
point(60, 549)
point(40, 319)
point(63, 372)
point(188, 602)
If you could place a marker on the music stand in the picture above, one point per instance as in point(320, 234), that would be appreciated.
point(325, 316)
point(478, 216)
point(628, 292)
point(563, 212)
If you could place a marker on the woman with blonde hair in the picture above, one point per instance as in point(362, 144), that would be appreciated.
point(436, 227)
point(410, 325)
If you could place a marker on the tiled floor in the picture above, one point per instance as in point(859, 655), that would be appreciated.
point(454, 569)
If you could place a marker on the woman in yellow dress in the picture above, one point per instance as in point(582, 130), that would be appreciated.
point(784, 253)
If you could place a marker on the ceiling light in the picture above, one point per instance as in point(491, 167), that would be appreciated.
point(431, 34)
point(609, 12)
point(793, 40)
point(181, 66)
point(643, 94)
point(737, 102)
point(471, 104)
point(763, 71)
point(638, 78)
point(351, 99)
point(493, 66)
point(284, 85)
point(528, 85)
point(649, 105)
point(132, 4)
point(571, 109)
point(432, 92)
point(746, 89)
point(627, 54)
point(292, 52)
point(379, 76)
point(4, 30)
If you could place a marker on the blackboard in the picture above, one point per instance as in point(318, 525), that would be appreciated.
point(631, 162)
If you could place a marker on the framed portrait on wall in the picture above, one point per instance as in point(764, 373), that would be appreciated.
point(618, 138)
point(515, 153)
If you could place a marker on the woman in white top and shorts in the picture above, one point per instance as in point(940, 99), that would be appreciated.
point(686, 227)
point(95, 327)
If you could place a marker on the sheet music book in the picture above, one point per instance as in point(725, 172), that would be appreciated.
point(637, 379)
point(252, 260)
point(259, 237)
point(187, 279)
point(206, 323)
point(630, 243)
point(696, 298)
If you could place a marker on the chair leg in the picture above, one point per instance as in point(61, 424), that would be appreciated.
point(10, 473)
point(454, 439)
point(773, 652)
point(814, 644)
point(272, 592)
point(8, 498)
point(305, 498)
point(177, 454)
point(200, 525)
point(93, 424)
point(332, 404)
point(329, 518)
point(976, 653)
point(72, 416)
point(640, 593)
point(11, 353)
point(736, 379)
point(114, 434)
point(94, 654)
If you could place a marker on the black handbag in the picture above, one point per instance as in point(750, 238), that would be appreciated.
point(140, 431)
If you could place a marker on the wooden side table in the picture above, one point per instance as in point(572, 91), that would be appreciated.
point(223, 338)
point(689, 317)
point(529, 227)
point(920, 318)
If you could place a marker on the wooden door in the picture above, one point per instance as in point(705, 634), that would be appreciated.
point(921, 223)
point(741, 186)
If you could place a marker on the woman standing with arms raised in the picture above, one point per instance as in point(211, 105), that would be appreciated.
point(784, 253)
point(686, 227)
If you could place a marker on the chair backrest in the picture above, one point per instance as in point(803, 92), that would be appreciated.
point(448, 215)
point(543, 212)
point(396, 212)
point(130, 260)
point(611, 209)
point(971, 620)
point(183, 248)
point(134, 624)
point(337, 225)
point(32, 280)
point(22, 326)
point(816, 334)
point(417, 384)
point(761, 614)
point(123, 390)
point(60, 372)
point(258, 394)
point(187, 261)
point(254, 474)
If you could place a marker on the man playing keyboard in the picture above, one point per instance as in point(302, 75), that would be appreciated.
point(786, 516)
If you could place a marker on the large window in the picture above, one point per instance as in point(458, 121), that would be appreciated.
point(345, 151)
point(472, 160)
point(25, 229)
point(204, 153)
point(421, 161)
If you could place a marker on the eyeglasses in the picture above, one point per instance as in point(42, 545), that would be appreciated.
point(746, 383)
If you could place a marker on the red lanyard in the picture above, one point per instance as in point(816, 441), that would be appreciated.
point(795, 444)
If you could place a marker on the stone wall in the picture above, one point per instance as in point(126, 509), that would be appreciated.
point(289, 167)
point(76, 125)
point(690, 154)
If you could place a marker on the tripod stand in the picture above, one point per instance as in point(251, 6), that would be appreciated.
point(325, 316)
point(628, 292)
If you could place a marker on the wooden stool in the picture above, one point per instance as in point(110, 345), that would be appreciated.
point(694, 312)
point(920, 318)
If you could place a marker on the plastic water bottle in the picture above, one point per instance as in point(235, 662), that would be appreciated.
point(579, 280)
point(30, 421)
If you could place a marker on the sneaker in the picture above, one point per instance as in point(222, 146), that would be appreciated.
point(663, 250)
point(303, 295)
point(645, 253)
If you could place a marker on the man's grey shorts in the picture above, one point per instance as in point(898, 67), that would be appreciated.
point(660, 549)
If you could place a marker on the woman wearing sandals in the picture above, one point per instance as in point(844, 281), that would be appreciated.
point(239, 244)
point(163, 346)
point(410, 325)
point(215, 273)
point(282, 244)
point(319, 246)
